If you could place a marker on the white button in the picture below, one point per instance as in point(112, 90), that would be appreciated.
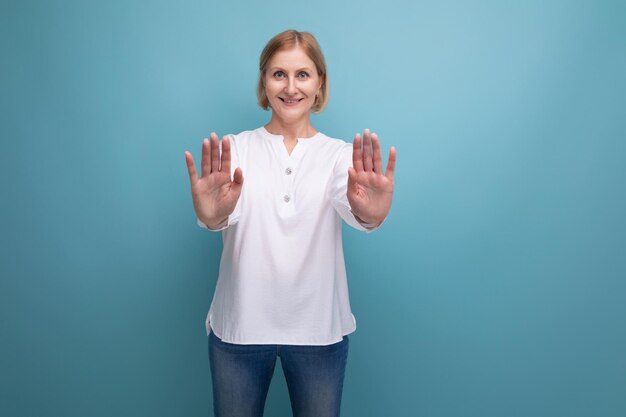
point(286, 198)
point(288, 171)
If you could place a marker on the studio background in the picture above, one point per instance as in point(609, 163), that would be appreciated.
point(495, 288)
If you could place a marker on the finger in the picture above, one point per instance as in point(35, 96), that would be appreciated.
point(357, 157)
point(205, 164)
point(215, 153)
point(237, 177)
point(352, 191)
point(391, 163)
point(367, 151)
point(351, 179)
point(237, 183)
point(225, 165)
point(378, 158)
point(191, 168)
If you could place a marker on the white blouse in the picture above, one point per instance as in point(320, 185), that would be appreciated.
point(282, 276)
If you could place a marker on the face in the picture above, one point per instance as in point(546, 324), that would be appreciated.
point(291, 83)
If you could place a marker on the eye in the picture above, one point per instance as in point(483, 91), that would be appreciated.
point(303, 75)
point(279, 74)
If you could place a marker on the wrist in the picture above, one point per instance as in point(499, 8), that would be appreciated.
point(214, 224)
point(367, 223)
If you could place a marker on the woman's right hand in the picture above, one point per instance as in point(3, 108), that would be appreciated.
point(214, 194)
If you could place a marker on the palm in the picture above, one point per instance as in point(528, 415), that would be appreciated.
point(369, 190)
point(214, 194)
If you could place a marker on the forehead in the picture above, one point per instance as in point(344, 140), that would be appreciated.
point(291, 58)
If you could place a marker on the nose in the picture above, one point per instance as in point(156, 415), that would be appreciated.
point(290, 88)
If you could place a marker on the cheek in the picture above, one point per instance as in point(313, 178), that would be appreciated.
point(273, 87)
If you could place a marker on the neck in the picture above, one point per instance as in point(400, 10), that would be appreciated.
point(291, 131)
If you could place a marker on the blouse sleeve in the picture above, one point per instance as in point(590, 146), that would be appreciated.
point(234, 163)
point(339, 187)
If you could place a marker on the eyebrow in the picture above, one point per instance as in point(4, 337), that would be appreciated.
point(301, 69)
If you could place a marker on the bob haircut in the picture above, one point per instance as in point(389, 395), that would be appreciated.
point(287, 40)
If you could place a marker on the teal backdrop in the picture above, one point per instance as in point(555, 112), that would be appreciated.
point(497, 286)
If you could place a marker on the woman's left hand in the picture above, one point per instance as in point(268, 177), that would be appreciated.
point(369, 190)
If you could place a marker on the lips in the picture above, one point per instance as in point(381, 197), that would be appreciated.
point(291, 100)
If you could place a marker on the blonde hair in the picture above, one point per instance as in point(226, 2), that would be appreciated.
point(287, 40)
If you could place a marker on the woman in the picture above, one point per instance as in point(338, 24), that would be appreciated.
point(282, 288)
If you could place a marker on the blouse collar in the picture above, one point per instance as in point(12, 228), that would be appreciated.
point(272, 136)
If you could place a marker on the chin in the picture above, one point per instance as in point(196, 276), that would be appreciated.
point(292, 116)
point(289, 115)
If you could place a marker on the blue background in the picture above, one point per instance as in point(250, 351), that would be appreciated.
point(495, 288)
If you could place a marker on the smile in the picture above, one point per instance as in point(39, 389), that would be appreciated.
point(290, 101)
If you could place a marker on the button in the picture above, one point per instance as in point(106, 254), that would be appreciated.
point(286, 198)
point(288, 171)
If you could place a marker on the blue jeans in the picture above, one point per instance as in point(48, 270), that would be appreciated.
point(241, 376)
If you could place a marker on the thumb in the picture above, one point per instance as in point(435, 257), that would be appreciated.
point(237, 180)
point(351, 177)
